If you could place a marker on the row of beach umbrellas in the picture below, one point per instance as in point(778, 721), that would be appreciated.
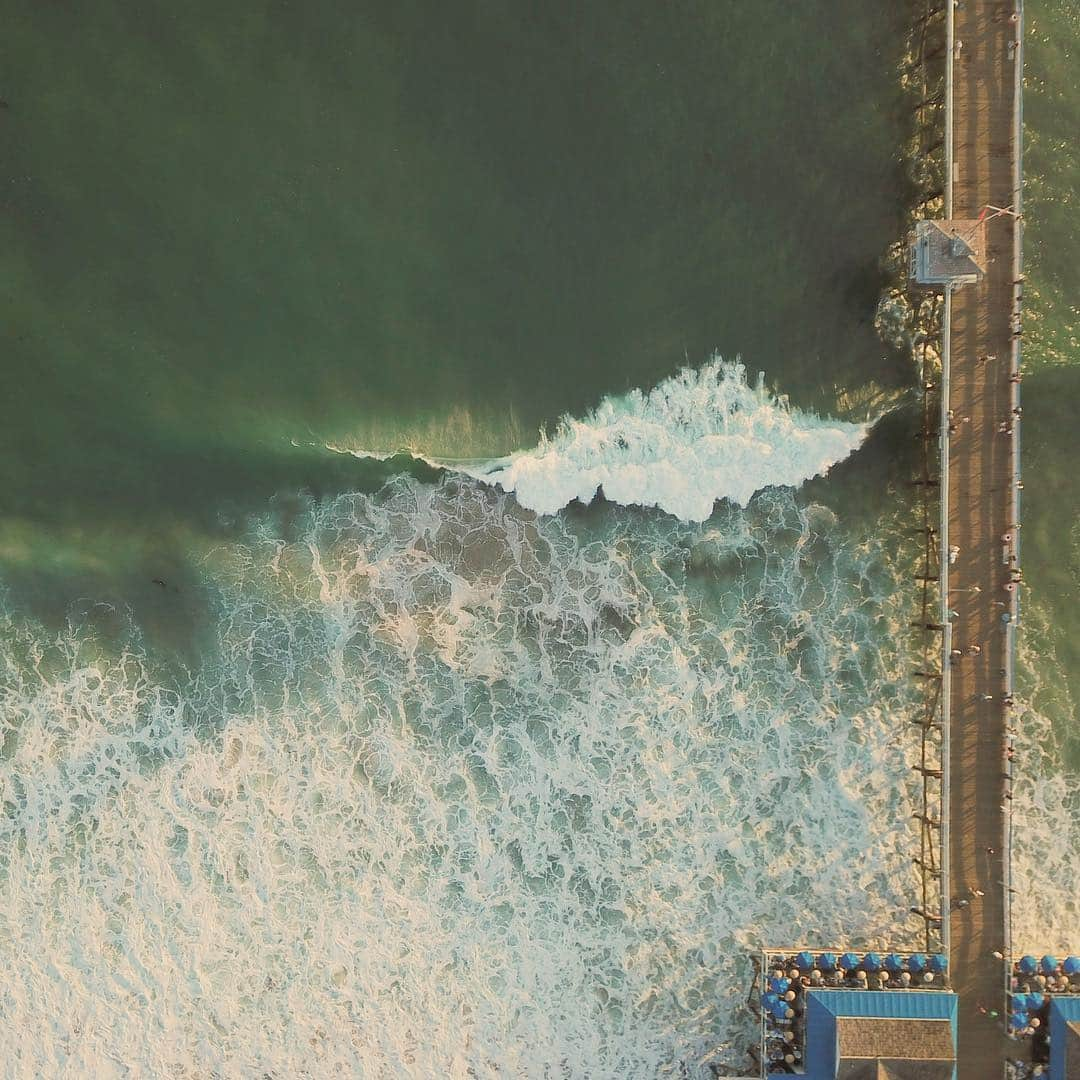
point(1023, 1005)
point(1028, 1002)
point(1048, 965)
point(871, 961)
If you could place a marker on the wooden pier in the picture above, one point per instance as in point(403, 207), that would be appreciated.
point(980, 440)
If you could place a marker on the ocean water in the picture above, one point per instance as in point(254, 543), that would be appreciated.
point(339, 737)
point(1047, 807)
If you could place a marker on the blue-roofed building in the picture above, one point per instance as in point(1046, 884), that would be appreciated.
point(1065, 1038)
point(890, 1035)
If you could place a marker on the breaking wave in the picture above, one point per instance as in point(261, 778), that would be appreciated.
point(698, 437)
point(461, 794)
point(701, 436)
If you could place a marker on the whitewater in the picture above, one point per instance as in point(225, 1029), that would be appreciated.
point(702, 435)
point(462, 791)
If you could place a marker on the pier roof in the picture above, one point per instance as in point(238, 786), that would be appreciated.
point(864, 1043)
point(880, 1035)
point(896, 1070)
point(1064, 1037)
point(949, 252)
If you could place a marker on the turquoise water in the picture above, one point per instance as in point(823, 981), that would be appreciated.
point(314, 761)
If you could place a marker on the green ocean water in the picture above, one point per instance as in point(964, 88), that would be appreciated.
point(1051, 387)
point(233, 234)
point(1046, 801)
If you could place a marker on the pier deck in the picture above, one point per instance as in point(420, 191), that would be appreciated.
point(980, 506)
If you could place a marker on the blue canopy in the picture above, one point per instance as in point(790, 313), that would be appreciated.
point(827, 961)
point(1049, 964)
point(779, 986)
point(939, 962)
point(1018, 1020)
point(1071, 965)
point(916, 963)
point(1036, 1001)
point(849, 961)
point(1028, 965)
point(893, 962)
point(872, 961)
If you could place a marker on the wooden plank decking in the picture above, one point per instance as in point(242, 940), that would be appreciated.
point(981, 509)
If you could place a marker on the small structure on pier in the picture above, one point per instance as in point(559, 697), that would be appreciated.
point(895, 1035)
point(1064, 1038)
point(1044, 1017)
point(849, 1017)
point(948, 253)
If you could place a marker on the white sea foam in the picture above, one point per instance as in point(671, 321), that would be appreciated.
point(1045, 810)
point(699, 436)
point(462, 795)
point(703, 435)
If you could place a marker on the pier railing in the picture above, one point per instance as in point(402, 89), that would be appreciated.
point(1012, 627)
point(932, 575)
point(933, 625)
point(943, 524)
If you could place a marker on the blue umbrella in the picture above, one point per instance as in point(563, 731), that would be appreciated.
point(769, 999)
point(780, 1010)
point(1036, 1001)
point(849, 961)
point(939, 962)
point(779, 986)
point(1020, 1003)
point(827, 961)
point(1018, 1020)
point(916, 963)
point(1027, 965)
point(894, 962)
point(1071, 965)
point(804, 961)
point(1049, 964)
point(872, 961)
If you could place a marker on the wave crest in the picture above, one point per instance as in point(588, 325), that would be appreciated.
point(700, 436)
